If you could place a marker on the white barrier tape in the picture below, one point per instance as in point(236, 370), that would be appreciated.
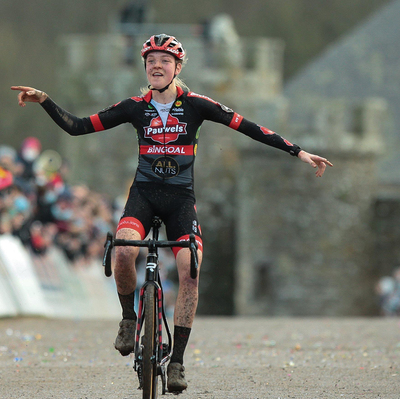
point(7, 302)
point(48, 285)
point(22, 278)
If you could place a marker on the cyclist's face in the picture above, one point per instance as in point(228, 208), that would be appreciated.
point(161, 68)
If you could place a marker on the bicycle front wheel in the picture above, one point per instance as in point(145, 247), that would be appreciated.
point(150, 343)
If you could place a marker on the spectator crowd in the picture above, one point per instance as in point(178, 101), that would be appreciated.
point(38, 205)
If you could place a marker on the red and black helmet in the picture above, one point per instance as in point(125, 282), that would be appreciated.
point(166, 43)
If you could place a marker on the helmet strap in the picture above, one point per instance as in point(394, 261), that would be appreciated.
point(164, 88)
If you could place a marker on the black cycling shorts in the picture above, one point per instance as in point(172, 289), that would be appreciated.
point(176, 206)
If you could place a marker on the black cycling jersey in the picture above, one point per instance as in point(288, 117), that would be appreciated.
point(166, 153)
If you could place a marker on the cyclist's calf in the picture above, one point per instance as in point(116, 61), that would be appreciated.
point(125, 257)
point(188, 295)
point(183, 266)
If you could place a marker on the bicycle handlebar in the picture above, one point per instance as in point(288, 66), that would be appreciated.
point(115, 242)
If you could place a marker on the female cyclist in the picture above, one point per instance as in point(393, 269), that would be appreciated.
point(167, 118)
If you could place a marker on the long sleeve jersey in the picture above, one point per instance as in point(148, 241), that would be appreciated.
point(166, 152)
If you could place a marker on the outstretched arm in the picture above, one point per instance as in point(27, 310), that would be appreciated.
point(70, 123)
point(315, 161)
point(75, 126)
point(214, 111)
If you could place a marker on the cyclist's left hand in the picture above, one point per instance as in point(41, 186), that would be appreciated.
point(315, 161)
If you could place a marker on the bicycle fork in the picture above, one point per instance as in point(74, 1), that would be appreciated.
point(162, 351)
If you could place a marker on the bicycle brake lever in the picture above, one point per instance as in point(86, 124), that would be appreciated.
point(108, 245)
point(194, 263)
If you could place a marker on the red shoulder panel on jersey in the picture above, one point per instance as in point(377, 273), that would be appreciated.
point(236, 121)
point(96, 122)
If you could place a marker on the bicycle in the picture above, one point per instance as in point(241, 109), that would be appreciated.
point(151, 353)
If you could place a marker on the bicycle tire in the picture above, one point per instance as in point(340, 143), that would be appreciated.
point(149, 344)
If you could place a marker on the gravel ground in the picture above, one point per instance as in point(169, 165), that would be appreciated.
point(246, 358)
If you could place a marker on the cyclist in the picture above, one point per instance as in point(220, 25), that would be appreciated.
point(167, 118)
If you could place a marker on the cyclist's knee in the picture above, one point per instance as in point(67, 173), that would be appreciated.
point(126, 256)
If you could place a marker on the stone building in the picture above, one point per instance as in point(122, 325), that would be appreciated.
point(278, 241)
point(308, 243)
point(363, 65)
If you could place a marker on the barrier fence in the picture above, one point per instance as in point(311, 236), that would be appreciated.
point(50, 286)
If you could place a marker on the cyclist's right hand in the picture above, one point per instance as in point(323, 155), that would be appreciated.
point(29, 94)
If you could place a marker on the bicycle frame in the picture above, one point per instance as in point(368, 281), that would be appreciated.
point(163, 351)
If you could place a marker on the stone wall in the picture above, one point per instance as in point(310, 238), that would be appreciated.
point(306, 245)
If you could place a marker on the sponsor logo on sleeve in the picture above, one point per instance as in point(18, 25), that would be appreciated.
point(225, 108)
point(191, 94)
point(236, 121)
